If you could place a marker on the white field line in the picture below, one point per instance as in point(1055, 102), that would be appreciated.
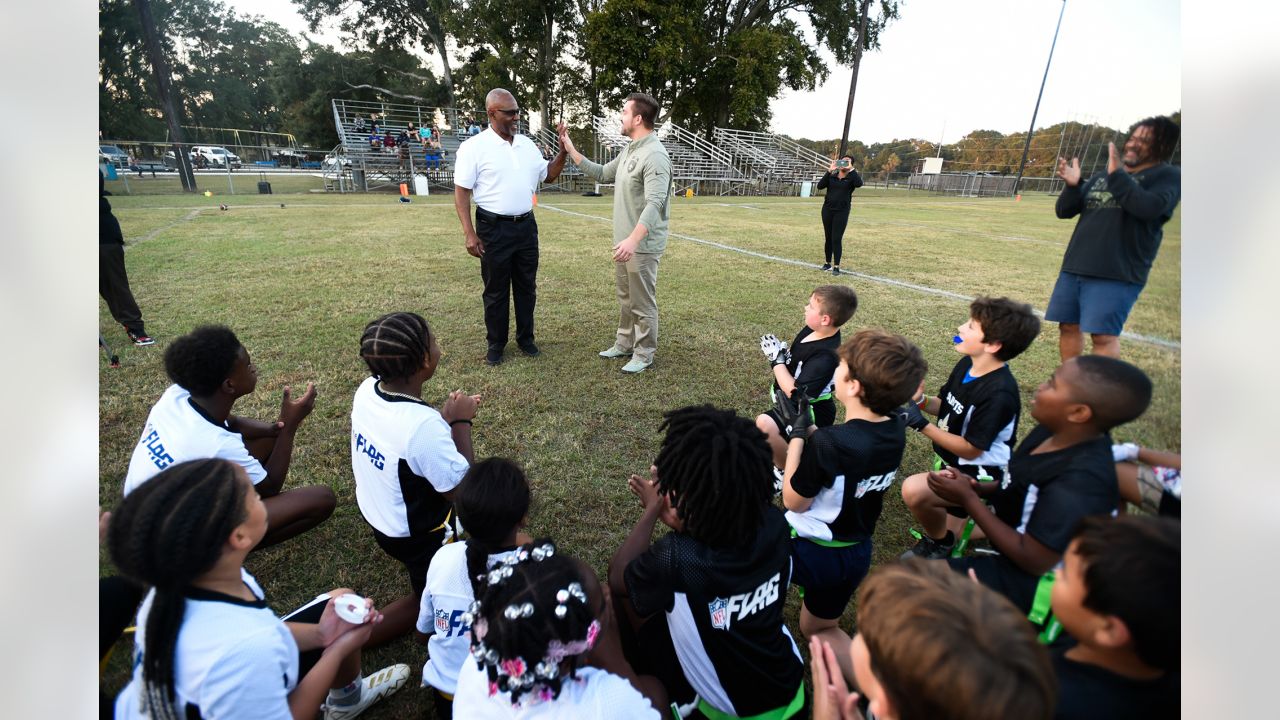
point(1161, 342)
point(188, 218)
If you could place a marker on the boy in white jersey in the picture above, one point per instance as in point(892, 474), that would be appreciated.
point(407, 457)
point(977, 408)
point(192, 420)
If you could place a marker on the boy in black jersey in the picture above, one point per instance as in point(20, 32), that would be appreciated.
point(977, 409)
point(712, 590)
point(1061, 472)
point(835, 480)
point(809, 364)
point(1117, 593)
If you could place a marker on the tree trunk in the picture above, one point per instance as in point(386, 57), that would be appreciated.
point(438, 41)
point(160, 69)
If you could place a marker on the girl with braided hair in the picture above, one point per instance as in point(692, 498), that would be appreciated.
point(407, 457)
point(720, 576)
point(208, 645)
point(492, 503)
point(544, 644)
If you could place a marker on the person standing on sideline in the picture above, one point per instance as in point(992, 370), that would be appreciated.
point(1122, 216)
point(641, 175)
point(839, 181)
point(113, 281)
point(502, 170)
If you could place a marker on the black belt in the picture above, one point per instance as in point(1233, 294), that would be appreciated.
point(481, 212)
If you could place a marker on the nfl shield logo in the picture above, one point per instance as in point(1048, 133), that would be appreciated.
point(442, 622)
point(719, 616)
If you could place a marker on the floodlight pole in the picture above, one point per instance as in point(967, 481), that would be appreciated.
point(853, 84)
point(1026, 147)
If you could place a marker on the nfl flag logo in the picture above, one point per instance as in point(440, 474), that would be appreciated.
point(442, 622)
point(719, 614)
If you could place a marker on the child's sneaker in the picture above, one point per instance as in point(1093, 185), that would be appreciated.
point(778, 477)
point(930, 549)
point(376, 686)
point(140, 338)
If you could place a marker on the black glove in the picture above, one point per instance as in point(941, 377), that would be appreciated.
point(910, 413)
point(784, 407)
point(799, 425)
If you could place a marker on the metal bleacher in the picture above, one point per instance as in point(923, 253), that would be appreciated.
point(777, 164)
point(695, 163)
point(356, 165)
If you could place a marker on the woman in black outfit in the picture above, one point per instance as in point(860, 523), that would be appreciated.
point(839, 181)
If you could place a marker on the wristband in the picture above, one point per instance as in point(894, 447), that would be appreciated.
point(459, 420)
point(924, 401)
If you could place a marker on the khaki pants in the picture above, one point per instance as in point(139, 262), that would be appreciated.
point(637, 282)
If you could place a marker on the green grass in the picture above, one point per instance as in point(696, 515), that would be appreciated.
point(298, 284)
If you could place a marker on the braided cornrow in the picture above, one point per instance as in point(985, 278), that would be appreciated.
point(491, 500)
point(716, 467)
point(519, 653)
point(395, 346)
point(166, 534)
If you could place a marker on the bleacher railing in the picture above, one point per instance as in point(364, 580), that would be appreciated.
point(777, 164)
point(695, 163)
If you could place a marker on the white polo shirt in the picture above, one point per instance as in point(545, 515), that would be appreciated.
point(501, 175)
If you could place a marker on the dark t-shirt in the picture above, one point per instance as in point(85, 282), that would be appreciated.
point(724, 610)
point(839, 191)
point(108, 227)
point(846, 470)
point(1088, 692)
point(983, 411)
point(813, 365)
point(1122, 219)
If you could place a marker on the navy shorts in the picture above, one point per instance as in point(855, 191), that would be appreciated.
point(1098, 305)
point(829, 575)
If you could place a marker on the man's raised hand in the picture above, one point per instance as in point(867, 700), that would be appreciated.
point(1069, 172)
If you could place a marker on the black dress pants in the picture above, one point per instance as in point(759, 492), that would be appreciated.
point(509, 268)
point(834, 221)
point(113, 286)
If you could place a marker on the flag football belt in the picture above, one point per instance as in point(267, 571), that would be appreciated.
point(776, 714)
point(1042, 611)
point(963, 541)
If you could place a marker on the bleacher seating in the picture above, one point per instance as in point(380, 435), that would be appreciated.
point(777, 163)
point(694, 161)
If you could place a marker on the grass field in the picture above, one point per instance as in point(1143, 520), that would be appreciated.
point(299, 283)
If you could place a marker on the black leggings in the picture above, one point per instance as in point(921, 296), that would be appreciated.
point(833, 224)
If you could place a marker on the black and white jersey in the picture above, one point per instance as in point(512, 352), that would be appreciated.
point(179, 430)
point(1089, 692)
point(813, 366)
point(1045, 495)
point(724, 612)
point(447, 597)
point(593, 695)
point(403, 457)
point(982, 410)
point(846, 469)
point(233, 659)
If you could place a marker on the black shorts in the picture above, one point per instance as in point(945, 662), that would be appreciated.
point(1000, 574)
point(308, 614)
point(414, 552)
point(829, 575)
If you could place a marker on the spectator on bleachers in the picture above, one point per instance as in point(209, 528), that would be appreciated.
point(389, 142)
point(359, 124)
point(374, 123)
point(424, 134)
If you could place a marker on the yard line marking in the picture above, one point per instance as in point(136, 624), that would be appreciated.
point(187, 218)
point(1162, 342)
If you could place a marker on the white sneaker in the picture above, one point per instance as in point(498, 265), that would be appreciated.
point(614, 352)
point(635, 365)
point(376, 686)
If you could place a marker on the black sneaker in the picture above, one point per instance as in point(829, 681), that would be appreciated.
point(141, 339)
point(826, 267)
point(531, 350)
point(930, 549)
point(835, 270)
point(493, 357)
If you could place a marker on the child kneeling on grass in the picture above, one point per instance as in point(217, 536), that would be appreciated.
point(711, 592)
point(407, 457)
point(207, 644)
point(211, 370)
point(1117, 594)
point(492, 503)
point(544, 644)
point(933, 645)
point(836, 479)
point(1062, 471)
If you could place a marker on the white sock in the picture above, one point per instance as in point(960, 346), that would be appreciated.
point(347, 695)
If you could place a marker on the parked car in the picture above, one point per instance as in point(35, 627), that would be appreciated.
point(114, 155)
point(288, 157)
point(215, 156)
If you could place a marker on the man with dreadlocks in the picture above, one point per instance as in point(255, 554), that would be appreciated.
point(407, 457)
point(720, 576)
point(1122, 216)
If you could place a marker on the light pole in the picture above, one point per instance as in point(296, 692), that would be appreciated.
point(1026, 147)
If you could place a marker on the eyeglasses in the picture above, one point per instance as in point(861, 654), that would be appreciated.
point(509, 113)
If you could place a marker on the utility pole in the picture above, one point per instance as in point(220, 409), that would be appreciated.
point(853, 84)
point(1026, 147)
point(160, 69)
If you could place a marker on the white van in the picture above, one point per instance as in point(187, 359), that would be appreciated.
point(214, 156)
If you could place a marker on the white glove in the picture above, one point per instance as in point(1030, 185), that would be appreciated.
point(1125, 452)
point(774, 350)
